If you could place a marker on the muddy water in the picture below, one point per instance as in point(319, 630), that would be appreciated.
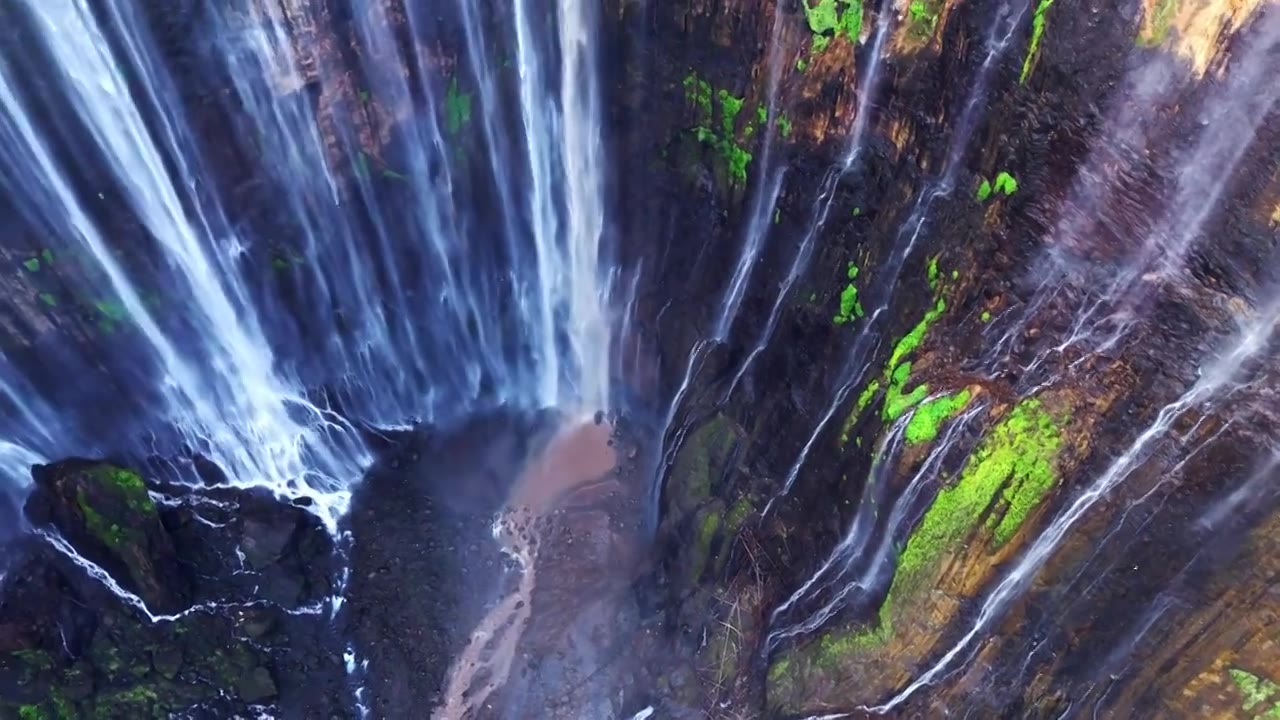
point(580, 454)
point(576, 467)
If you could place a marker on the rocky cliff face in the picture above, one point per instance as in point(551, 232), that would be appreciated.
point(965, 463)
point(950, 351)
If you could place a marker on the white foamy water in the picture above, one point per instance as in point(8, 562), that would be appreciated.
point(404, 307)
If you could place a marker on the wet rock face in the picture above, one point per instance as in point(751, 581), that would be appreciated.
point(233, 582)
point(1079, 175)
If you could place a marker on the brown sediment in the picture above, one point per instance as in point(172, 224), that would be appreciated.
point(580, 455)
point(492, 645)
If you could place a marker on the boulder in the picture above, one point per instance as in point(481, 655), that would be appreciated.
point(106, 513)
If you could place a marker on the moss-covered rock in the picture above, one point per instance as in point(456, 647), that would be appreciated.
point(699, 463)
point(105, 511)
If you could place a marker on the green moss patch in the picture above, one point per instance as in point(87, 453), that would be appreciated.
point(703, 452)
point(1015, 463)
point(457, 108)
point(128, 483)
point(1037, 32)
point(929, 417)
point(922, 17)
point(1258, 693)
point(831, 19)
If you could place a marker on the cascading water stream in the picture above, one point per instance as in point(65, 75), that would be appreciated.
point(764, 197)
point(999, 36)
point(1229, 119)
point(1219, 377)
point(391, 302)
point(242, 412)
point(878, 569)
point(319, 227)
point(827, 189)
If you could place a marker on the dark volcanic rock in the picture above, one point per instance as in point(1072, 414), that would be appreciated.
point(105, 511)
point(424, 564)
point(69, 647)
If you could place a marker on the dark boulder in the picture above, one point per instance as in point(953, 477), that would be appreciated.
point(106, 513)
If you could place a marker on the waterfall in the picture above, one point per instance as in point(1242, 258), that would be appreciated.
point(296, 222)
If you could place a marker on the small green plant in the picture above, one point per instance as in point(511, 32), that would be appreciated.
point(1258, 692)
point(49, 299)
point(784, 125)
point(850, 307)
point(728, 140)
point(112, 310)
point(1004, 183)
point(457, 108)
point(831, 19)
point(986, 316)
point(32, 264)
point(1037, 31)
point(923, 17)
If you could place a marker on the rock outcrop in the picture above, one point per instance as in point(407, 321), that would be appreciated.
point(220, 603)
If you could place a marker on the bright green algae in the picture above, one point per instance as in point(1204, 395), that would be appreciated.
point(1015, 463)
point(929, 417)
point(1257, 691)
point(830, 19)
point(1037, 32)
point(850, 307)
